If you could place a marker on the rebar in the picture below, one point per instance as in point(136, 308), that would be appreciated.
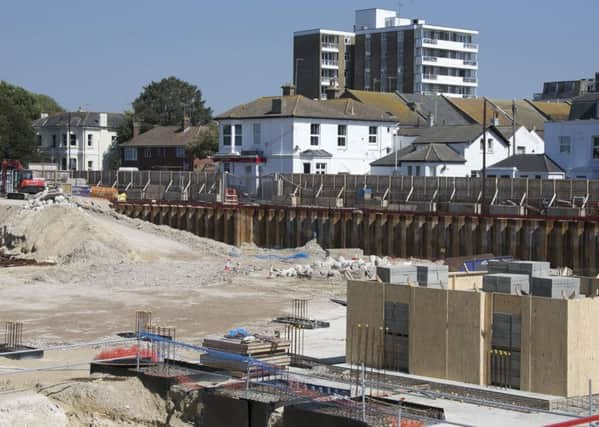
point(13, 334)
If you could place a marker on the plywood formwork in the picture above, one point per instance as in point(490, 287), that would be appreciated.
point(450, 334)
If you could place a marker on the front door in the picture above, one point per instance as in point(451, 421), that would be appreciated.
point(307, 168)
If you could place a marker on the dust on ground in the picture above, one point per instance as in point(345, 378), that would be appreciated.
point(106, 267)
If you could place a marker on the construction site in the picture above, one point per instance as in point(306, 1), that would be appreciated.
point(145, 298)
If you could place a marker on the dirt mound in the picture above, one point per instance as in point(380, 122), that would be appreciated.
point(109, 401)
point(29, 409)
point(69, 233)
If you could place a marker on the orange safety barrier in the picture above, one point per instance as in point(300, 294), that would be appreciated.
point(576, 422)
point(126, 352)
point(109, 193)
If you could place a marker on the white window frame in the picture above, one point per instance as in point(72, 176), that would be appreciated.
point(73, 140)
point(130, 154)
point(238, 135)
point(257, 133)
point(314, 134)
point(227, 135)
point(90, 140)
point(342, 136)
point(565, 145)
point(490, 145)
point(373, 137)
point(320, 168)
point(147, 153)
point(90, 165)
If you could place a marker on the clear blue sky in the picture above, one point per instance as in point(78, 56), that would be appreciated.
point(101, 53)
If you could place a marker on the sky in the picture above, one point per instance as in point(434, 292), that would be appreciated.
point(98, 55)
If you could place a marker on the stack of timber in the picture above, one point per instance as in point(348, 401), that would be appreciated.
point(263, 349)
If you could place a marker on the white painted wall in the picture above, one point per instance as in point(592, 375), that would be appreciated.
point(282, 140)
point(81, 152)
point(530, 141)
point(579, 162)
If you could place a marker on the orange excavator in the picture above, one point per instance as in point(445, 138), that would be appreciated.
point(17, 181)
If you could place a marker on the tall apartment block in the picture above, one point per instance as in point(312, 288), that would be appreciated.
point(391, 53)
point(321, 59)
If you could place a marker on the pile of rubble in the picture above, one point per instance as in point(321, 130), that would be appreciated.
point(335, 267)
point(48, 198)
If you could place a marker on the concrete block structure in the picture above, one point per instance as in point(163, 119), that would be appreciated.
point(433, 275)
point(555, 286)
point(506, 283)
point(536, 344)
point(398, 274)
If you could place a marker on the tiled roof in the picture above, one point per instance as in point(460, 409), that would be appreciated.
point(449, 134)
point(443, 112)
point(433, 153)
point(300, 106)
point(474, 109)
point(529, 163)
point(557, 111)
point(79, 119)
point(526, 114)
point(429, 153)
point(389, 102)
point(166, 136)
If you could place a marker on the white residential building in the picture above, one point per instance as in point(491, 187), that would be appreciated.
point(388, 53)
point(449, 151)
point(294, 134)
point(78, 140)
point(574, 144)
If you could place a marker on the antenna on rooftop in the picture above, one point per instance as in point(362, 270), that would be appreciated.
point(399, 6)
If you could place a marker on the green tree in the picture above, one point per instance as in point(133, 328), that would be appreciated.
point(17, 138)
point(30, 104)
point(164, 103)
point(206, 144)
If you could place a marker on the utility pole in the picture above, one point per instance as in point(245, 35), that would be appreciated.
point(484, 170)
point(514, 114)
point(69, 142)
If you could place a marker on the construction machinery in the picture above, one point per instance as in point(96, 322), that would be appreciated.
point(17, 182)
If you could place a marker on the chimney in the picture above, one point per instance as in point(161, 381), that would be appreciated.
point(186, 121)
point(288, 89)
point(103, 123)
point(136, 128)
point(431, 120)
point(495, 121)
point(332, 92)
point(43, 115)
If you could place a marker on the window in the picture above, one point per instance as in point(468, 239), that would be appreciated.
point(227, 167)
point(64, 140)
point(53, 141)
point(372, 134)
point(314, 134)
point(409, 170)
point(90, 140)
point(227, 135)
point(238, 135)
point(321, 168)
point(63, 162)
point(148, 153)
point(130, 154)
point(417, 170)
point(73, 140)
point(564, 144)
point(180, 152)
point(306, 167)
point(90, 164)
point(73, 164)
point(596, 147)
point(113, 139)
point(257, 133)
point(341, 135)
point(520, 150)
point(490, 146)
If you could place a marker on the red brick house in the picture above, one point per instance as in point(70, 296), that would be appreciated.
point(161, 148)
